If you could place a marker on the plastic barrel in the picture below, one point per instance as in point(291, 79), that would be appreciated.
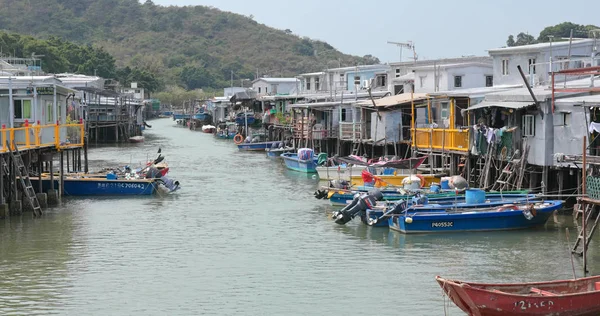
point(444, 184)
point(475, 196)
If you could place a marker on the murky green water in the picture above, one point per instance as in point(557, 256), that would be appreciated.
point(244, 236)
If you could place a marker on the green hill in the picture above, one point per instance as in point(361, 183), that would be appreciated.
point(192, 46)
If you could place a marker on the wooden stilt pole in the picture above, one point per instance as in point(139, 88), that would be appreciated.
point(584, 215)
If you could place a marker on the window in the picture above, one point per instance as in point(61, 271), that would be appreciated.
point(505, 67)
point(22, 109)
point(566, 118)
point(422, 81)
point(138, 91)
point(343, 115)
point(317, 84)
point(528, 128)
point(445, 110)
point(266, 90)
point(308, 84)
point(49, 113)
point(531, 65)
point(356, 80)
point(489, 81)
point(397, 72)
point(381, 81)
point(457, 81)
point(258, 89)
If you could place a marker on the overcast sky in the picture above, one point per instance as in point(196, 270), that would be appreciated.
point(438, 28)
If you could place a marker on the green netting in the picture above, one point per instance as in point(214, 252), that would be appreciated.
point(321, 158)
point(592, 187)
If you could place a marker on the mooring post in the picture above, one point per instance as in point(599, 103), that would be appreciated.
point(85, 155)
point(61, 186)
point(40, 169)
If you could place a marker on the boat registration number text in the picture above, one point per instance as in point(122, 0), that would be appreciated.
point(442, 224)
point(121, 185)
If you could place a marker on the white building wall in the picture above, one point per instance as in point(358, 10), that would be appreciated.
point(542, 56)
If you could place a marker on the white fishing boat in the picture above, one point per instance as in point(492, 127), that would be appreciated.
point(340, 172)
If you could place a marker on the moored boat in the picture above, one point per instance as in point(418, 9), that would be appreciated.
point(577, 297)
point(226, 130)
point(258, 146)
point(136, 139)
point(208, 129)
point(473, 217)
point(303, 161)
point(75, 185)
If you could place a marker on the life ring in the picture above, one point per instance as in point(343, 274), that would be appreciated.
point(422, 180)
point(238, 139)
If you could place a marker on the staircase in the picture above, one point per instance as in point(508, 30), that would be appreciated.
point(589, 231)
point(23, 178)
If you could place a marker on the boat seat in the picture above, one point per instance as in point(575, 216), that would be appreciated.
point(541, 292)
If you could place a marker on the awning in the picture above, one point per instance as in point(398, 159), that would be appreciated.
point(408, 77)
point(397, 99)
point(501, 104)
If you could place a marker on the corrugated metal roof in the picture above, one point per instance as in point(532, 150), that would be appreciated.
point(277, 80)
point(476, 92)
point(538, 47)
point(502, 104)
point(396, 100)
point(584, 99)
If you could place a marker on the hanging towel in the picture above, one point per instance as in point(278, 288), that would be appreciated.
point(490, 135)
point(594, 127)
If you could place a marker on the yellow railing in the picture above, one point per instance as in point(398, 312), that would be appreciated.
point(442, 139)
point(40, 136)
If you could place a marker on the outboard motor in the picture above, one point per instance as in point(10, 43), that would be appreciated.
point(359, 205)
point(153, 173)
point(339, 184)
point(172, 185)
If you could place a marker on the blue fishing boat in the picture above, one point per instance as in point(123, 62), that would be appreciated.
point(226, 130)
point(259, 146)
point(303, 161)
point(74, 186)
point(343, 197)
point(443, 219)
point(276, 153)
point(279, 148)
point(245, 119)
point(373, 210)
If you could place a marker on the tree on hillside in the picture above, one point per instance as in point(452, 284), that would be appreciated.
point(564, 30)
point(196, 77)
point(522, 39)
point(145, 79)
point(558, 31)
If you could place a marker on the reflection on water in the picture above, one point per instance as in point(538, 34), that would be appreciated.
point(245, 236)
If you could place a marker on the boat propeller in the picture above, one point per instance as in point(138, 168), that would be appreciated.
point(321, 194)
point(358, 206)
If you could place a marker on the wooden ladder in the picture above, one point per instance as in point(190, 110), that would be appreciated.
point(23, 174)
point(589, 211)
point(483, 179)
point(356, 148)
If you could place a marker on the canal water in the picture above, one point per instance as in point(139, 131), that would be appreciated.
point(245, 236)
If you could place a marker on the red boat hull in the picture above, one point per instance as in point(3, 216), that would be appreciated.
point(556, 298)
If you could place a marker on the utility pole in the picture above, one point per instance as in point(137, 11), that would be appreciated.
point(231, 83)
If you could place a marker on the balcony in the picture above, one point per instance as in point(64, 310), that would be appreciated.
point(43, 136)
point(351, 131)
point(442, 139)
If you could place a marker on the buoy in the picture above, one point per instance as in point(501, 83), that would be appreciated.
point(238, 139)
point(408, 220)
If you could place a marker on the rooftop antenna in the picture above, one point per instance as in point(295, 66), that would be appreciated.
point(408, 45)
